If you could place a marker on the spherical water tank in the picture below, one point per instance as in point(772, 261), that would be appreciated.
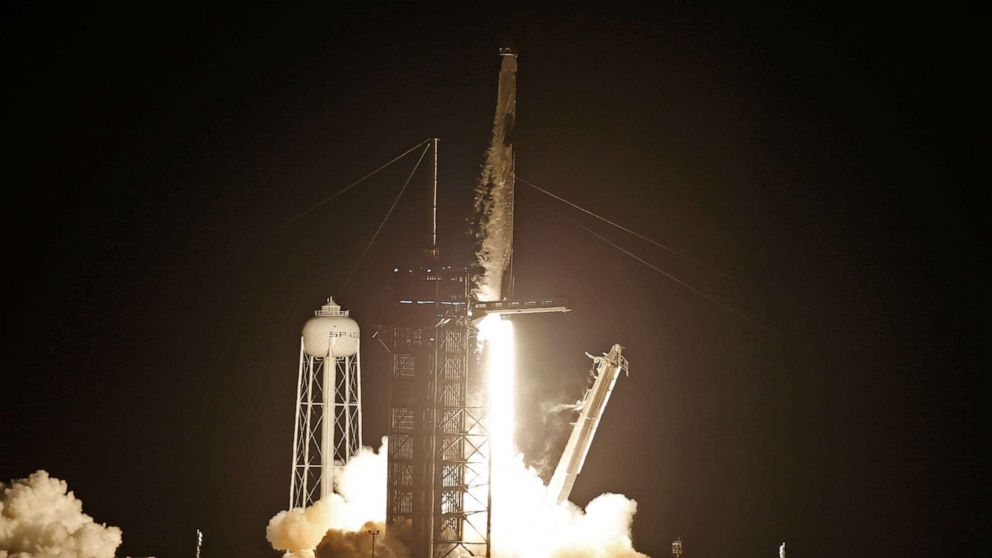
point(331, 330)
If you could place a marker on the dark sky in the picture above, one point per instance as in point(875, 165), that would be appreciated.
point(825, 157)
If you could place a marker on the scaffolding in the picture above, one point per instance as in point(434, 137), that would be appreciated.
point(439, 467)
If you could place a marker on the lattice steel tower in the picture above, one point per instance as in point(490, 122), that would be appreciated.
point(439, 467)
point(328, 428)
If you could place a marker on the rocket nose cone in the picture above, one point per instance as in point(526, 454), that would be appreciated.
point(508, 60)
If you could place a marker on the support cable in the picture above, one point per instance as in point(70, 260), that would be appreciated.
point(361, 258)
point(708, 297)
point(343, 190)
point(628, 231)
point(317, 205)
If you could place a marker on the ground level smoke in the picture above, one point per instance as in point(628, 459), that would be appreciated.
point(40, 518)
point(527, 526)
point(329, 526)
point(524, 524)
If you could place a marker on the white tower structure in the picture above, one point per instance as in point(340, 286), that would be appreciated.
point(328, 403)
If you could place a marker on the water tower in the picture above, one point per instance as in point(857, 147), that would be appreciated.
point(328, 428)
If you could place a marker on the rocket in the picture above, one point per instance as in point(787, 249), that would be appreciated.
point(494, 194)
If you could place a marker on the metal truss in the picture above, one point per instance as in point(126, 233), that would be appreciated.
point(461, 464)
point(439, 467)
point(328, 428)
point(404, 484)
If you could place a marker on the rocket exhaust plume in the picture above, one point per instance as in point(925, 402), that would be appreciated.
point(40, 518)
point(527, 521)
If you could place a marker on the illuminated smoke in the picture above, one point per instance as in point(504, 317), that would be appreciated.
point(358, 544)
point(528, 526)
point(524, 522)
point(494, 205)
point(357, 505)
point(40, 518)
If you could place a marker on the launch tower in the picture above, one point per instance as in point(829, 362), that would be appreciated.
point(438, 480)
point(440, 464)
point(438, 486)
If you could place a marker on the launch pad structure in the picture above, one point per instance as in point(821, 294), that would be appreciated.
point(440, 459)
point(439, 463)
point(606, 370)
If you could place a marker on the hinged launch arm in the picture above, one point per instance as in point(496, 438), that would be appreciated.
point(480, 310)
point(591, 408)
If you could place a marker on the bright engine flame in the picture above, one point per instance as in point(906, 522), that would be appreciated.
point(500, 352)
point(524, 523)
point(497, 333)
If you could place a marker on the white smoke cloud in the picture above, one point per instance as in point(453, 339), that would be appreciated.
point(524, 523)
point(40, 518)
point(358, 544)
point(299, 530)
point(337, 524)
point(494, 205)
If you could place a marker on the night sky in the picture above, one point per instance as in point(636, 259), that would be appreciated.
point(825, 158)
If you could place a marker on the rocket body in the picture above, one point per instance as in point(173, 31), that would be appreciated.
point(494, 194)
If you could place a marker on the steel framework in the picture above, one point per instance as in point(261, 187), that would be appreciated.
point(328, 423)
point(439, 466)
point(461, 448)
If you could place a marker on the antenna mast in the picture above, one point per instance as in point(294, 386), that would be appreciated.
point(434, 204)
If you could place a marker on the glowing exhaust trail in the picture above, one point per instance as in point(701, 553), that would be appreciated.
point(497, 333)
